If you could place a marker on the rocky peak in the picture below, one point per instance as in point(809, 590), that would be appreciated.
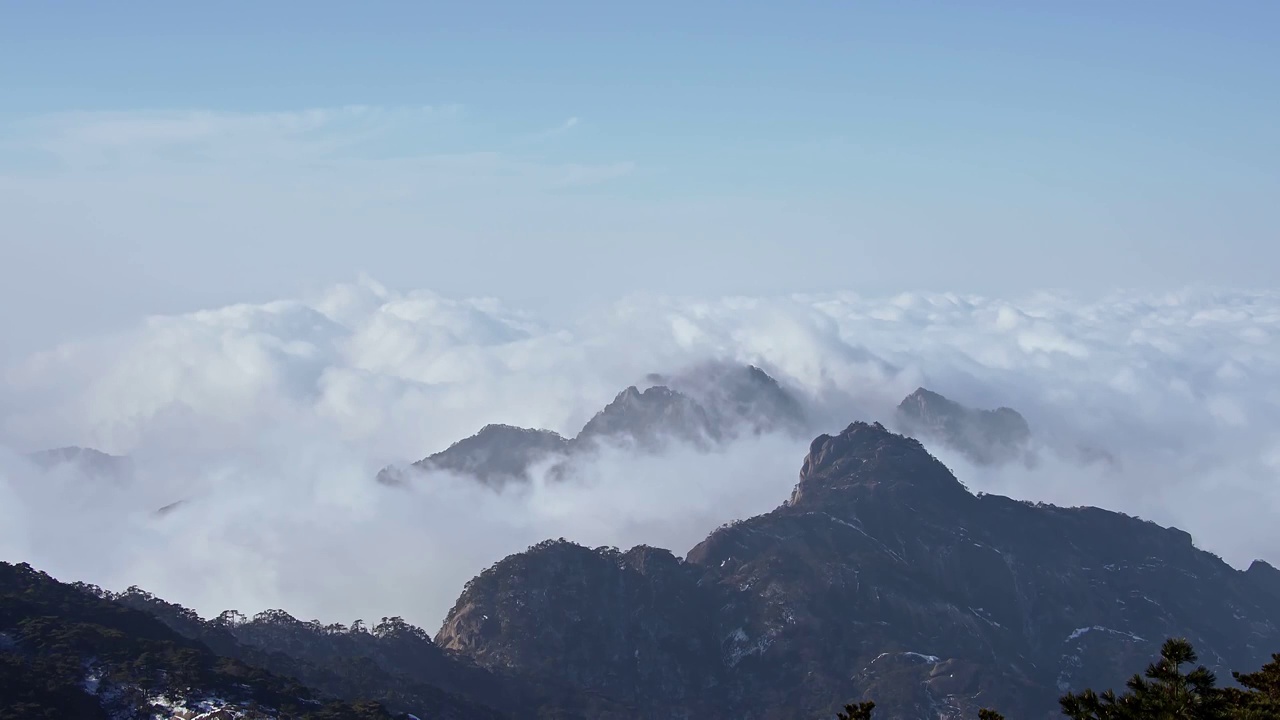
point(650, 417)
point(739, 397)
point(866, 460)
point(702, 406)
point(1265, 576)
point(495, 455)
point(987, 437)
point(88, 461)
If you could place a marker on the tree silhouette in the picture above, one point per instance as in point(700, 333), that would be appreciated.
point(1260, 698)
point(861, 711)
point(1163, 692)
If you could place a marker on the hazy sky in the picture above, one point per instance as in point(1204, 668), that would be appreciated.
point(162, 157)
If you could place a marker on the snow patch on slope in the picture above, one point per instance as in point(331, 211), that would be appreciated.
point(1080, 632)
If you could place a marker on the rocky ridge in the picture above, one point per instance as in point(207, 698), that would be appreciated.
point(881, 577)
point(705, 406)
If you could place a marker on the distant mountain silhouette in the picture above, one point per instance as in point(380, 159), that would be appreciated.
point(703, 407)
point(986, 437)
point(88, 461)
point(496, 455)
point(739, 398)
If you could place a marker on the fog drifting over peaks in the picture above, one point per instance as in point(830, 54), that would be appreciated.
point(270, 421)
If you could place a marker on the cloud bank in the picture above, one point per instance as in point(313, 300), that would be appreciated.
point(269, 421)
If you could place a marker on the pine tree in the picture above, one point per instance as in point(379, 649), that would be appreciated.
point(1165, 692)
point(1260, 698)
point(860, 711)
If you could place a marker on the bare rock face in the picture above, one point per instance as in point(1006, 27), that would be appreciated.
point(621, 624)
point(987, 437)
point(881, 578)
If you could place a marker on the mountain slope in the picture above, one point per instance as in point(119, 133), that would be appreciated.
point(881, 577)
point(67, 653)
point(392, 662)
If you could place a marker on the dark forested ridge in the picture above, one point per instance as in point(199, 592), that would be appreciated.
point(75, 650)
point(881, 580)
point(391, 661)
point(67, 653)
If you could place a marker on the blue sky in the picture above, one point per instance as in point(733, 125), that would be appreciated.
point(164, 156)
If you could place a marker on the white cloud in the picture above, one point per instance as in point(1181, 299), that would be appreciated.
point(272, 418)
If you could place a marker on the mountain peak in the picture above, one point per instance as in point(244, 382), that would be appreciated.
point(987, 437)
point(1264, 575)
point(924, 394)
point(85, 460)
point(502, 429)
point(859, 441)
point(869, 458)
point(647, 417)
point(495, 455)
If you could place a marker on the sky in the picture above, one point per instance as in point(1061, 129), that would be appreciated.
point(265, 249)
point(159, 157)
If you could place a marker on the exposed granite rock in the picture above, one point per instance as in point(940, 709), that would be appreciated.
point(639, 624)
point(881, 578)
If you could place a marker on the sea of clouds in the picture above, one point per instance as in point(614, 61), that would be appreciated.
point(269, 421)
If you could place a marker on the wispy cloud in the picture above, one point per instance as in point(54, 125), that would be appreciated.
point(543, 135)
point(355, 137)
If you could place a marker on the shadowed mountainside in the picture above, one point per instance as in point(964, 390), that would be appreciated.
point(882, 577)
